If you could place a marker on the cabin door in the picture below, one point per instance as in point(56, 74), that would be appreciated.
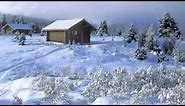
point(82, 36)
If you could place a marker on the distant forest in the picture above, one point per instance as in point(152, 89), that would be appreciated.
point(36, 23)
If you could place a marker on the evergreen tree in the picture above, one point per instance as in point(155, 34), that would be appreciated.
point(168, 45)
point(141, 40)
point(102, 29)
point(22, 20)
point(14, 19)
point(150, 40)
point(131, 34)
point(17, 21)
point(37, 30)
point(22, 39)
point(177, 52)
point(168, 27)
point(119, 33)
point(4, 20)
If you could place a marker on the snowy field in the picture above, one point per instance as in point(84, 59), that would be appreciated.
point(19, 63)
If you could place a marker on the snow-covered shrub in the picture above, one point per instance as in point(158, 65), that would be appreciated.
point(17, 100)
point(99, 86)
point(142, 86)
point(140, 54)
point(104, 50)
point(55, 90)
point(73, 44)
point(40, 80)
point(160, 56)
point(115, 50)
point(69, 44)
point(148, 91)
point(74, 76)
point(22, 39)
point(136, 100)
point(107, 84)
point(63, 71)
point(159, 82)
point(175, 95)
point(120, 83)
point(138, 79)
point(161, 77)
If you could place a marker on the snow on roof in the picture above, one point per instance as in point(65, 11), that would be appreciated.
point(19, 26)
point(62, 24)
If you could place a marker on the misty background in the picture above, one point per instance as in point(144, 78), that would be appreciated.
point(116, 13)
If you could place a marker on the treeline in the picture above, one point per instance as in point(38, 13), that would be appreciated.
point(36, 23)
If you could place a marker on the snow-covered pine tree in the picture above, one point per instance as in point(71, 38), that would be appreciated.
point(17, 21)
point(177, 52)
point(16, 37)
point(4, 22)
point(156, 46)
point(37, 30)
point(131, 34)
point(14, 19)
point(168, 26)
point(141, 40)
point(149, 39)
point(119, 33)
point(99, 30)
point(102, 29)
point(22, 39)
point(168, 45)
point(105, 28)
point(21, 21)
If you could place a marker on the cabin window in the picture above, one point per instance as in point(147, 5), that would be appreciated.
point(75, 32)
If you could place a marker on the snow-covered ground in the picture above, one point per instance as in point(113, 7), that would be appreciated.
point(18, 62)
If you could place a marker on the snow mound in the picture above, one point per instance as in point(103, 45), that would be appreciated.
point(104, 101)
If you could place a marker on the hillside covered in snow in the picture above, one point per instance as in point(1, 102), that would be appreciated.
point(24, 68)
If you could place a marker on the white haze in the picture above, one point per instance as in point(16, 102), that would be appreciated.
point(94, 11)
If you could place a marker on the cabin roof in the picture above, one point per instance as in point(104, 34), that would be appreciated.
point(19, 26)
point(62, 24)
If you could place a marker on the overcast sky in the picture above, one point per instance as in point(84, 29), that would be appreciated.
point(113, 12)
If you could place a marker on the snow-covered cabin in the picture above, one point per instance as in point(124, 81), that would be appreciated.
point(22, 28)
point(68, 30)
